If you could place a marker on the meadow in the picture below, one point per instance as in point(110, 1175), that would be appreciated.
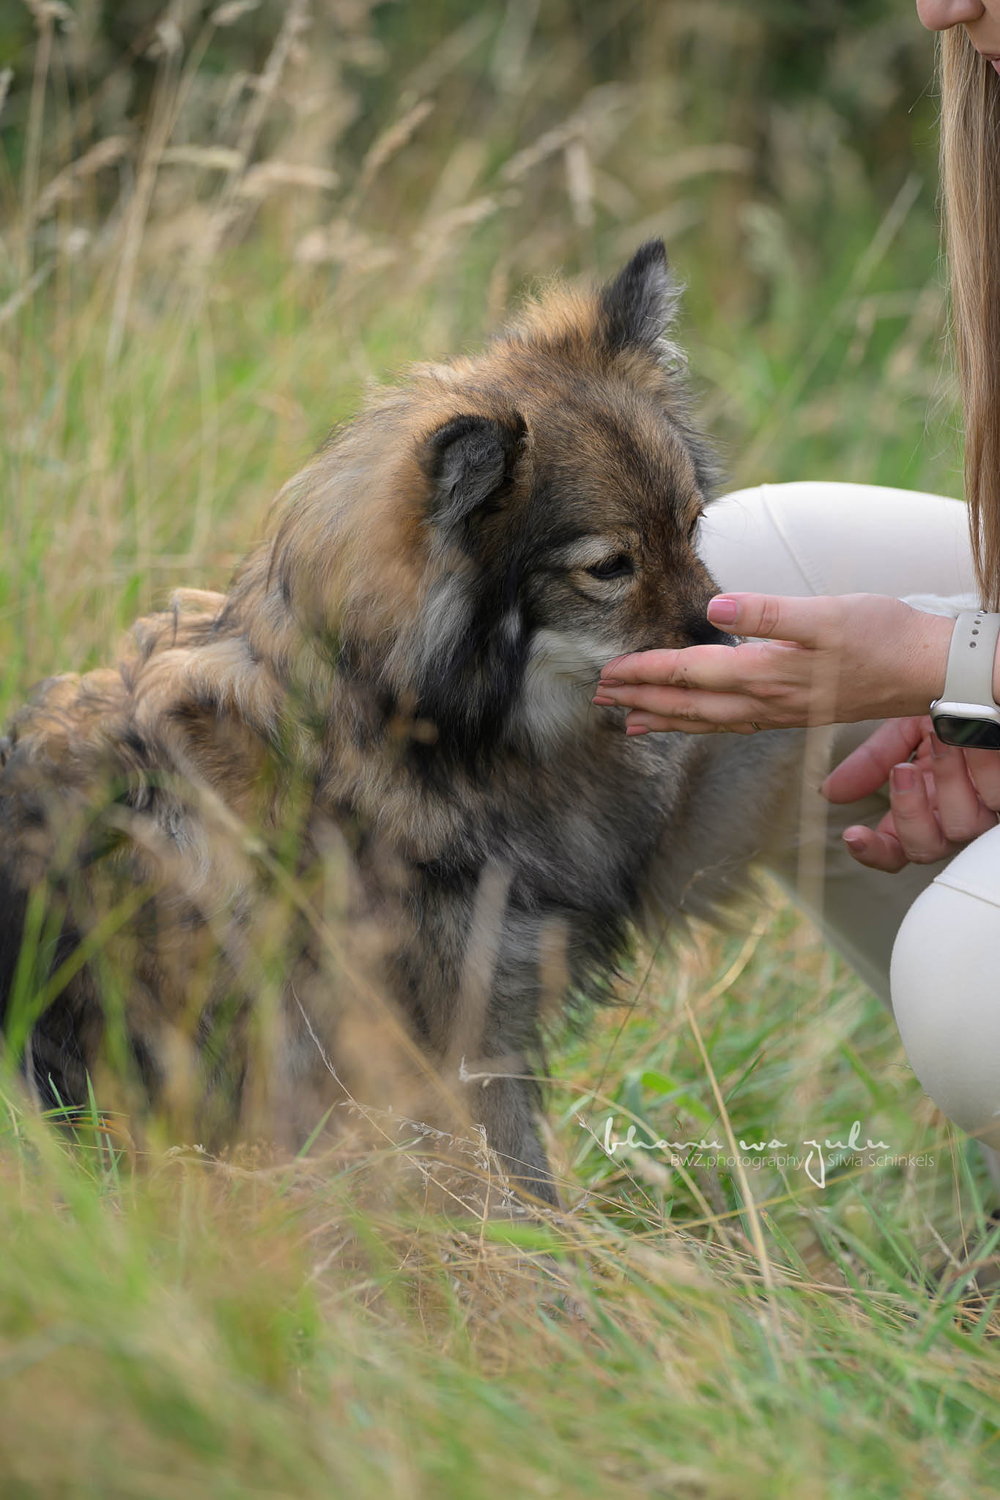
point(218, 224)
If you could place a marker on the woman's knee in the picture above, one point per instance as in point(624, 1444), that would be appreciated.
point(828, 537)
point(945, 985)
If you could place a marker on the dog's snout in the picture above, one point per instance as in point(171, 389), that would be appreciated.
point(701, 632)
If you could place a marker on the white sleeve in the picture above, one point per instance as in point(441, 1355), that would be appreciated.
point(951, 605)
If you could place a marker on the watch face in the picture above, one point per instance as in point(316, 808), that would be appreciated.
point(971, 734)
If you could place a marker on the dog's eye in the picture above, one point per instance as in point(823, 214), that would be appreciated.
point(619, 566)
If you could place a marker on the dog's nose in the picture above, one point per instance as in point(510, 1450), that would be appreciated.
point(701, 632)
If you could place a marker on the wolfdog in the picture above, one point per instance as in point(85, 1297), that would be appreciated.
point(401, 673)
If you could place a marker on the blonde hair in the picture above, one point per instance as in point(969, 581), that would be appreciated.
point(970, 177)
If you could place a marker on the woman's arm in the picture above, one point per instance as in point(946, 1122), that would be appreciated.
point(826, 660)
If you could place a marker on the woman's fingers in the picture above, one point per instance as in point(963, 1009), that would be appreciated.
point(714, 668)
point(877, 848)
point(642, 666)
point(908, 834)
point(691, 684)
point(646, 723)
point(867, 768)
point(960, 812)
point(935, 805)
point(984, 768)
point(691, 708)
point(917, 828)
point(927, 832)
point(774, 617)
point(707, 685)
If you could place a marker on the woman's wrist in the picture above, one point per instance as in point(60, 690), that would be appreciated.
point(929, 659)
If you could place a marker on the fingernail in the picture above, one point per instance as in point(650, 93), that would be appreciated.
point(903, 778)
point(610, 682)
point(937, 747)
point(633, 729)
point(855, 844)
point(604, 702)
point(723, 611)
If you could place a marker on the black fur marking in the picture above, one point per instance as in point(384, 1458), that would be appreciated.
point(133, 741)
point(635, 306)
point(13, 909)
point(468, 692)
point(449, 875)
point(57, 1072)
point(58, 1066)
point(469, 461)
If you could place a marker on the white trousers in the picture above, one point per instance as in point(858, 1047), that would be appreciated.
point(928, 939)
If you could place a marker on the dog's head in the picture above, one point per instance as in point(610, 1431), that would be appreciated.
point(483, 540)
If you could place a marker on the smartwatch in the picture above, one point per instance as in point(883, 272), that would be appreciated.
point(966, 713)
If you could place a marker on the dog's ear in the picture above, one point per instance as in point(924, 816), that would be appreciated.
point(469, 462)
point(640, 302)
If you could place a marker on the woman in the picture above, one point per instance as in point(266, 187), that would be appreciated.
point(910, 893)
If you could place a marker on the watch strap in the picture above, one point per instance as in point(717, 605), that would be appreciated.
point(969, 674)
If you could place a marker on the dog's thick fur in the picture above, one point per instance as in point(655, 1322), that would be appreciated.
point(403, 669)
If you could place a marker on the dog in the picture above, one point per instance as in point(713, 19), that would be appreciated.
point(395, 693)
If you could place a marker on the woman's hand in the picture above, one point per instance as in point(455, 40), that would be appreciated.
point(825, 660)
point(939, 800)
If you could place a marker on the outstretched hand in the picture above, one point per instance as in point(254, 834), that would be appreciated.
point(830, 659)
point(940, 797)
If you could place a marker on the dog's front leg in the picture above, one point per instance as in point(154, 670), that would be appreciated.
point(505, 1107)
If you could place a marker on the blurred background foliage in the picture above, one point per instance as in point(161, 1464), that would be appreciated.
point(244, 211)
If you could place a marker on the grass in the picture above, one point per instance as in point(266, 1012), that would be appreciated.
point(173, 346)
point(256, 1327)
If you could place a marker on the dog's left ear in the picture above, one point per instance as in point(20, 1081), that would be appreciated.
point(642, 300)
point(470, 461)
